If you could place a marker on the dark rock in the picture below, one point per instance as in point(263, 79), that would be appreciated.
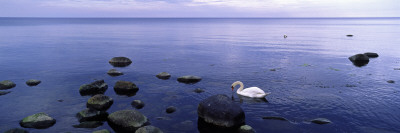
point(120, 61)
point(39, 121)
point(189, 79)
point(321, 121)
point(148, 129)
point(396, 68)
point(275, 118)
point(163, 75)
point(170, 109)
point(127, 120)
point(114, 72)
point(89, 124)
point(16, 130)
point(390, 81)
point(101, 131)
point(246, 129)
point(33, 82)
point(6, 84)
point(219, 110)
point(349, 35)
point(4, 92)
point(97, 87)
point(91, 115)
point(359, 59)
point(371, 55)
point(198, 90)
point(99, 102)
point(60, 100)
point(137, 104)
point(125, 88)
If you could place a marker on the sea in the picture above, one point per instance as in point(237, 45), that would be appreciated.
point(308, 73)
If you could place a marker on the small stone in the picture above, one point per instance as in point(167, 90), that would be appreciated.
point(6, 84)
point(396, 68)
point(101, 131)
point(321, 121)
point(170, 109)
point(349, 35)
point(163, 75)
point(275, 118)
point(148, 129)
point(198, 90)
point(137, 104)
point(120, 61)
point(126, 120)
point(125, 88)
point(39, 121)
point(371, 55)
point(97, 87)
point(33, 82)
point(272, 69)
point(89, 124)
point(16, 130)
point(4, 92)
point(189, 79)
point(246, 129)
point(359, 59)
point(114, 72)
point(60, 100)
point(99, 102)
point(91, 115)
point(390, 81)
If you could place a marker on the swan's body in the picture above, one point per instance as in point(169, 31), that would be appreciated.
point(253, 92)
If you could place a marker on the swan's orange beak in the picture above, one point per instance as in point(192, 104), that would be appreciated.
point(232, 88)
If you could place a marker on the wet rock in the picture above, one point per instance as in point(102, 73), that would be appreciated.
point(16, 130)
point(6, 84)
point(246, 129)
point(60, 100)
point(127, 120)
point(390, 81)
point(321, 121)
point(274, 118)
point(99, 102)
point(163, 75)
point(219, 110)
point(170, 109)
point(91, 115)
point(101, 131)
point(349, 35)
point(33, 82)
point(371, 55)
point(148, 129)
point(114, 72)
point(189, 79)
point(198, 90)
point(120, 61)
point(396, 68)
point(125, 88)
point(137, 104)
point(359, 60)
point(4, 92)
point(39, 121)
point(89, 124)
point(96, 87)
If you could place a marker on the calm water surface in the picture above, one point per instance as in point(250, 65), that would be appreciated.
point(312, 78)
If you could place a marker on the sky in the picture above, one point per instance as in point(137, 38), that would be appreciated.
point(200, 8)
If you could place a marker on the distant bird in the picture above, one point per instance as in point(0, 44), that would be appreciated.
point(253, 92)
point(284, 36)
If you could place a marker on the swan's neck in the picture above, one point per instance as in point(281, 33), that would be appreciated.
point(241, 86)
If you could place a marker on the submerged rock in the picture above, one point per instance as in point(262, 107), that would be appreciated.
point(96, 87)
point(148, 129)
point(189, 79)
point(359, 59)
point(91, 115)
point(349, 35)
point(198, 90)
point(274, 118)
point(120, 61)
point(33, 82)
point(6, 84)
point(321, 121)
point(99, 102)
point(114, 72)
point(39, 121)
point(16, 130)
point(127, 120)
point(371, 55)
point(246, 129)
point(390, 81)
point(125, 88)
point(89, 124)
point(219, 110)
point(101, 131)
point(137, 104)
point(170, 109)
point(163, 75)
point(4, 92)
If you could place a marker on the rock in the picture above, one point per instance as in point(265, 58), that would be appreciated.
point(349, 35)
point(184, 126)
point(137, 104)
point(89, 124)
point(96, 87)
point(321, 121)
point(16, 130)
point(4, 92)
point(359, 59)
point(39, 121)
point(390, 81)
point(6, 84)
point(91, 115)
point(371, 55)
point(148, 129)
point(99, 102)
point(170, 109)
point(33, 82)
point(189, 79)
point(275, 118)
point(101, 131)
point(120, 61)
point(163, 75)
point(60, 100)
point(219, 110)
point(114, 72)
point(127, 120)
point(246, 129)
point(125, 88)
point(198, 90)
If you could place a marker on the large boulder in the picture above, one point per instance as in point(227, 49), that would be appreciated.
point(125, 88)
point(371, 55)
point(91, 115)
point(189, 79)
point(163, 75)
point(33, 82)
point(96, 87)
point(114, 72)
point(99, 102)
point(221, 111)
point(120, 61)
point(127, 120)
point(359, 59)
point(6, 84)
point(149, 129)
point(39, 121)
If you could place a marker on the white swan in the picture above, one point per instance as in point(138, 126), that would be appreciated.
point(253, 92)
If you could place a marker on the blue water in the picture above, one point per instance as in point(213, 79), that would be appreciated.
point(313, 76)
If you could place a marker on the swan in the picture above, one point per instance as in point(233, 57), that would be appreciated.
point(253, 92)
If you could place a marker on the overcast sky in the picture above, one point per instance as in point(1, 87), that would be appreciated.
point(199, 8)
